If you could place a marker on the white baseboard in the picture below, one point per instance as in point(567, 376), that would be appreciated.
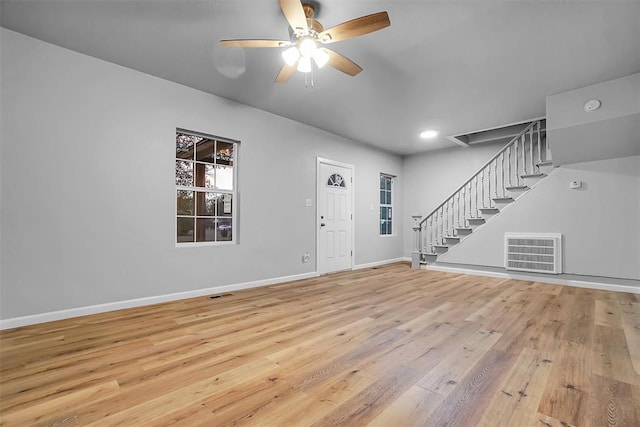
point(600, 284)
point(17, 322)
point(379, 263)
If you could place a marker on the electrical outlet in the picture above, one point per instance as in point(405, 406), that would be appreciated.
point(305, 257)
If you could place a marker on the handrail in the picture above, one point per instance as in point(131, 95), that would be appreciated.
point(509, 144)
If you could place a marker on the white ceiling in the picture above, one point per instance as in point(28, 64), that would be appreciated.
point(455, 66)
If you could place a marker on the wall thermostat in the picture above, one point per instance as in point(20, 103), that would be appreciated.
point(592, 105)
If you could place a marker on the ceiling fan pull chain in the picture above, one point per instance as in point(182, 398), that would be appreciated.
point(312, 67)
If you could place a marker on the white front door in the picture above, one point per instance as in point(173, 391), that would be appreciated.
point(334, 216)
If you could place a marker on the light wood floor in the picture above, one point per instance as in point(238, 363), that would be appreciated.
point(382, 347)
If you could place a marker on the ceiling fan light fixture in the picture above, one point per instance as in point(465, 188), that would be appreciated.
point(304, 64)
point(291, 55)
point(320, 57)
point(308, 47)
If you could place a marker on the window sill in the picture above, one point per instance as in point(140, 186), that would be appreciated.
point(203, 244)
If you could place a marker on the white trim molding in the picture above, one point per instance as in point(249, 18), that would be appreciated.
point(51, 316)
point(597, 283)
point(379, 263)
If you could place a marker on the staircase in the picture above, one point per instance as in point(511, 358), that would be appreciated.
point(518, 166)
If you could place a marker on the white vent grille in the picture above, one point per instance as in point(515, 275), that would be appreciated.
point(540, 253)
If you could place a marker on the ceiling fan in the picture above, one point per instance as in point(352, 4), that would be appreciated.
point(306, 36)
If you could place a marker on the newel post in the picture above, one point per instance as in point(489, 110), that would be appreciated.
point(417, 249)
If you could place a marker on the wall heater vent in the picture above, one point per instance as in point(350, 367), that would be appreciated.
point(540, 253)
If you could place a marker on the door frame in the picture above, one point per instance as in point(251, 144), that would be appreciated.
point(326, 161)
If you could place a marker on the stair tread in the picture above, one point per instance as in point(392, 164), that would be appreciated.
point(545, 163)
point(469, 229)
point(476, 219)
point(489, 210)
point(517, 187)
point(532, 175)
point(452, 237)
point(503, 199)
point(440, 246)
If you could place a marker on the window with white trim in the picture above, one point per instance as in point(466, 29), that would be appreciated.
point(206, 168)
point(386, 204)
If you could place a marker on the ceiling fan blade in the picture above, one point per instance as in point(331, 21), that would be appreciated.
point(254, 43)
point(294, 14)
point(355, 27)
point(342, 63)
point(286, 72)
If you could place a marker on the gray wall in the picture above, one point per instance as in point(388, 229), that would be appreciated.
point(87, 185)
point(432, 177)
point(609, 132)
point(599, 222)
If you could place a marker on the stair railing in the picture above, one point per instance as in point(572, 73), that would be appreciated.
point(504, 171)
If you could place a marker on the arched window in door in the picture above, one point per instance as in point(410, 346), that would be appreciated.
point(336, 180)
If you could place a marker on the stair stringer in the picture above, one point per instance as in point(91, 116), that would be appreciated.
point(472, 249)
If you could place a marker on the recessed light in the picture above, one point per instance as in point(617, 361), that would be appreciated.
point(429, 133)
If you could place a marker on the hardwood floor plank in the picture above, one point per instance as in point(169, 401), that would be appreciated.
point(369, 403)
point(410, 409)
point(468, 400)
point(630, 312)
point(566, 393)
point(445, 376)
point(610, 355)
point(58, 407)
point(386, 346)
point(613, 403)
point(515, 401)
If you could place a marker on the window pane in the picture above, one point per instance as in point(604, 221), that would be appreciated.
point(382, 228)
point(224, 177)
point(204, 152)
point(225, 204)
point(389, 231)
point(388, 202)
point(388, 183)
point(224, 153)
point(383, 213)
point(185, 230)
point(389, 214)
point(382, 186)
point(224, 229)
point(205, 230)
point(383, 198)
point(204, 175)
point(206, 203)
point(184, 145)
point(204, 214)
point(184, 173)
point(185, 202)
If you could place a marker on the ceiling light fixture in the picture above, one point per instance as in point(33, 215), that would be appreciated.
point(304, 64)
point(307, 47)
point(307, 38)
point(429, 133)
point(302, 53)
point(291, 55)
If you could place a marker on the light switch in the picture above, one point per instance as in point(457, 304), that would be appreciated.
point(308, 203)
